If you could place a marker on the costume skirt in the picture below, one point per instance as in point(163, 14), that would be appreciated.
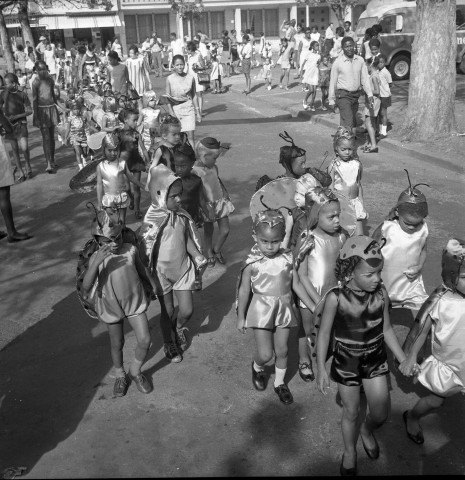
point(440, 378)
point(47, 116)
point(212, 211)
point(186, 115)
point(268, 311)
point(120, 200)
point(352, 363)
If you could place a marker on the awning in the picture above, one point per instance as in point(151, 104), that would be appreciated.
point(59, 22)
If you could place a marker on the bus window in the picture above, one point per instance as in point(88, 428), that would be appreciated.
point(388, 23)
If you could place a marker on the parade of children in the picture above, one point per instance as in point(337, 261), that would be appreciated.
point(311, 267)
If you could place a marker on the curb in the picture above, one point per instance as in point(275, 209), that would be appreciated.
point(390, 144)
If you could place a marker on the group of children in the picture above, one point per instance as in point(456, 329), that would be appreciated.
point(346, 283)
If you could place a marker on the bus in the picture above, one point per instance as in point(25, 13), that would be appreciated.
point(398, 19)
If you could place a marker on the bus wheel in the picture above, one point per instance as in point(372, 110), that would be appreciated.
point(400, 67)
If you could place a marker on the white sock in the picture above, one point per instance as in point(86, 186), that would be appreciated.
point(279, 376)
point(383, 129)
point(258, 368)
point(119, 372)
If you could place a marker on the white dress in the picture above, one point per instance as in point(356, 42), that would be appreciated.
point(191, 60)
point(401, 251)
point(311, 69)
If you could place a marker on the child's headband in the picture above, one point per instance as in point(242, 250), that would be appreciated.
point(103, 225)
point(269, 217)
point(411, 194)
point(362, 246)
point(212, 143)
point(287, 138)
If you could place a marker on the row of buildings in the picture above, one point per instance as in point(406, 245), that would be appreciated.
point(134, 20)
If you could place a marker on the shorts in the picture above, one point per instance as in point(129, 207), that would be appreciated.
point(246, 62)
point(353, 363)
point(385, 102)
point(19, 131)
point(347, 102)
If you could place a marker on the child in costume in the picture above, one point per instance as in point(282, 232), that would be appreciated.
point(113, 282)
point(150, 119)
point(109, 121)
point(404, 254)
point(355, 321)
point(316, 239)
point(184, 159)
point(113, 177)
point(131, 148)
point(170, 131)
point(265, 299)
point(216, 206)
point(172, 251)
point(443, 372)
point(78, 130)
point(346, 175)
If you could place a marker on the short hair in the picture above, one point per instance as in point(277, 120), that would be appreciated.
point(261, 34)
point(381, 56)
point(375, 62)
point(81, 50)
point(340, 31)
point(374, 42)
point(369, 32)
point(246, 38)
point(20, 48)
point(225, 32)
point(191, 46)
point(91, 46)
point(314, 42)
point(377, 29)
point(349, 22)
point(173, 34)
point(133, 48)
point(11, 77)
point(314, 27)
point(179, 57)
point(168, 121)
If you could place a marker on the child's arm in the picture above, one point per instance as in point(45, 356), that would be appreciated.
point(192, 250)
point(243, 298)
point(301, 292)
point(92, 271)
point(410, 366)
point(169, 107)
point(99, 187)
point(414, 270)
point(141, 268)
point(308, 285)
point(324, 334)
point(156, 158)
point(144, 150)
point(104, 125)
point(375, 83)
point(132, 178)
point(389, 335)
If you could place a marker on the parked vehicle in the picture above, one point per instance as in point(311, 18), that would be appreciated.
point(398, 19)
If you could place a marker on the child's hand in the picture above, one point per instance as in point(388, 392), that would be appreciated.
point(322, 381)
point(103, 253)
point(200, 262)
point(409, 367)
point(412, 272)
point(240, 325)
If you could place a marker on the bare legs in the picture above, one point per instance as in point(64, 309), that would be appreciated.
point(214, 249)
point(48, 136)
point(168, 322)
point(7, 213)
point(312, 92)
point(284, 75)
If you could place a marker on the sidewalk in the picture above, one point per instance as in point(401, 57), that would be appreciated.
point(448, 152)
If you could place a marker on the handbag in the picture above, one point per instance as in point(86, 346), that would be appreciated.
point(203, 77)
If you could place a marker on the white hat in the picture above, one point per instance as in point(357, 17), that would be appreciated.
point(42, 38)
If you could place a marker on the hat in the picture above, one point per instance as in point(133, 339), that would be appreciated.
point(103, 225)
point(453, 257)
point(111, 140)
point(114, 55)
point(42, 38)
point(411, 194)
point(361, 246)
point(210, 143)
point(270, 217)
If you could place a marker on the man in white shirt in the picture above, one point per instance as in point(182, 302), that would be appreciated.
point(329, 39)
point(315, 35)
point(157, 55)
point(145, 49)
point(177, 45)
point(348, 32)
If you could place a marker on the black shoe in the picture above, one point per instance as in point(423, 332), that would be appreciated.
point(284, 394)
point(372, 453)
point(121, 386)
point(306, 377)
point(417, 438)
point(258, 379)
point(348, 472)
point(142, 383)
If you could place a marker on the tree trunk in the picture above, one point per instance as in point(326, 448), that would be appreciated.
point(7, 50)
point(340, 13)
point(23, 16)
point(431, 94)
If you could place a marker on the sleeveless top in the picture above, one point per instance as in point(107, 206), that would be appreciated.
point(113, 177)
point(359, 317)
point(225, 42)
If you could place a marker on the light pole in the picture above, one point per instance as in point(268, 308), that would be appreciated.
point(188, 9)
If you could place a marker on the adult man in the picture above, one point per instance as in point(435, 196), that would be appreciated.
point(329, 39)
point(298, 37)
point(157, 55)
point(348, 32)
point(40, 48)
point(348, 75)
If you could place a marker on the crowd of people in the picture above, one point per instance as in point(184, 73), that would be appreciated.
point(314, 269)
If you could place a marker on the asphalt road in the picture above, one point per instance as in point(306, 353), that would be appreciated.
point(203, 418)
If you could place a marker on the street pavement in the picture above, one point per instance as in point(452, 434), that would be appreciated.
point(204, 418)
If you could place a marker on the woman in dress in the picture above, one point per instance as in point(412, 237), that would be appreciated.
point(138, 73)
point(181, 85)
point(226, 52)
point(195, 62)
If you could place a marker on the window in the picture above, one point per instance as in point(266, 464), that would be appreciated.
point(162, 26)
point(217, 24)
point(131, 29)
point(145, 27)
point(271, 22)
point(388, 23)
point(255, 21)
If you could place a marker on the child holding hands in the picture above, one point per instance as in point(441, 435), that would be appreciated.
point(265, 300)
point(355, 319)
point(443, 372)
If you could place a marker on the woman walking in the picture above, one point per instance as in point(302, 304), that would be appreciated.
point(195, 63)
point(138, 73)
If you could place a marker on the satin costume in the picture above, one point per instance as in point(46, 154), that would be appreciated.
point(346, 178)
point(150, 122)
point(163, 238)
point(401, 251)
point(358, 340)
point(119, 292)
point(271, 304)
point(216, 202)
point(115, 183)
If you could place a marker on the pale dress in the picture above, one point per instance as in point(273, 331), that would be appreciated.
point(119, 292)
point(311, 69)
point(183, 87)
point(150, 121)
point(443, 372)
point(136, 72)
point(402, 250)
point(272, 303)
point(191, 61)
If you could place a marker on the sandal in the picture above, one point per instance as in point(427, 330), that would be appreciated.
point(21, 178)
point(138, 214)
point(306, 377)
point(211, 262)
point(219, 257)
point(28, 173)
